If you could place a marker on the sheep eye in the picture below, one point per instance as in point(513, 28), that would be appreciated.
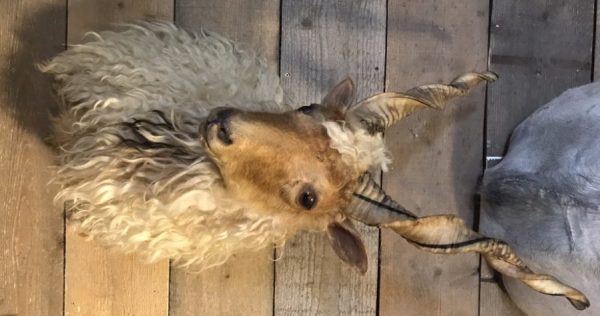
point(307, 109)
point(307, 198)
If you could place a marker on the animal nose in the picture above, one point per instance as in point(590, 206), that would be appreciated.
point(220, 117)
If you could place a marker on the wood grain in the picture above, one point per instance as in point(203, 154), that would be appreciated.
point(437, 155)
point(94, 15)
point(322, 43)
point(244, 285)
point(252, 23)
point(31, 227)
point(539, 48)
point(99, 282)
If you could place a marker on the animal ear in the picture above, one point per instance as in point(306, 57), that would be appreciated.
point(347, 244)
point(341, 97)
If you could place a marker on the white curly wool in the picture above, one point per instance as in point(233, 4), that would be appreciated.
point(132, 172)
point(359, 149)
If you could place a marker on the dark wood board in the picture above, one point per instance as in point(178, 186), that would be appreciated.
point(31, 226)
point(322, 43)
point(539, 49)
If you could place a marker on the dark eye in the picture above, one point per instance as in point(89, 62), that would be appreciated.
point(307, 198)
point(307, 109)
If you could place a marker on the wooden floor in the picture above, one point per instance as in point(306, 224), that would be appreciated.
point(538, 47)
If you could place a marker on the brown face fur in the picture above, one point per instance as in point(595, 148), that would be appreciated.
point(283, 164)
point(275, 162)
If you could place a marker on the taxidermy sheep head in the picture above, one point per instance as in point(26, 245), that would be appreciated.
point(180, 146)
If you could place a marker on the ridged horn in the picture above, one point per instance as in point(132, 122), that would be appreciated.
point(381, 111)
point(370, 205)
point(448, 234)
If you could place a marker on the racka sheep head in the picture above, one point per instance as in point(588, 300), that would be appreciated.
point(179, 146)
point(310, 165)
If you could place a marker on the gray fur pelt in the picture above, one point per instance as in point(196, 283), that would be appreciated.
point(544, 198)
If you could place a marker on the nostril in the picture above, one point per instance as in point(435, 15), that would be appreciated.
point(224, 133)
point(220, 118)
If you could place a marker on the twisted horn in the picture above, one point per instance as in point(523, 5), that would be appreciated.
point(381, 111)
point(448, 234)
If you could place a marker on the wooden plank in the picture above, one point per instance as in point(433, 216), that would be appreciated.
point(99, 282)
point(437, 155)
point(31, 227)
point(322, 43)
point(539, 48)
point(253, 23)
point(94, 15)
point(244, 285)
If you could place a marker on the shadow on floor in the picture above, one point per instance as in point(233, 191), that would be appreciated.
point(27, 95)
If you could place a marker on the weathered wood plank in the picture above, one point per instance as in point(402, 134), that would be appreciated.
point(99, 282)
point(244, 285)
point(31, 227)
point(254, 23)
point(94, 15)
point(539, 48)
point(437, 155)
point(322, 43)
